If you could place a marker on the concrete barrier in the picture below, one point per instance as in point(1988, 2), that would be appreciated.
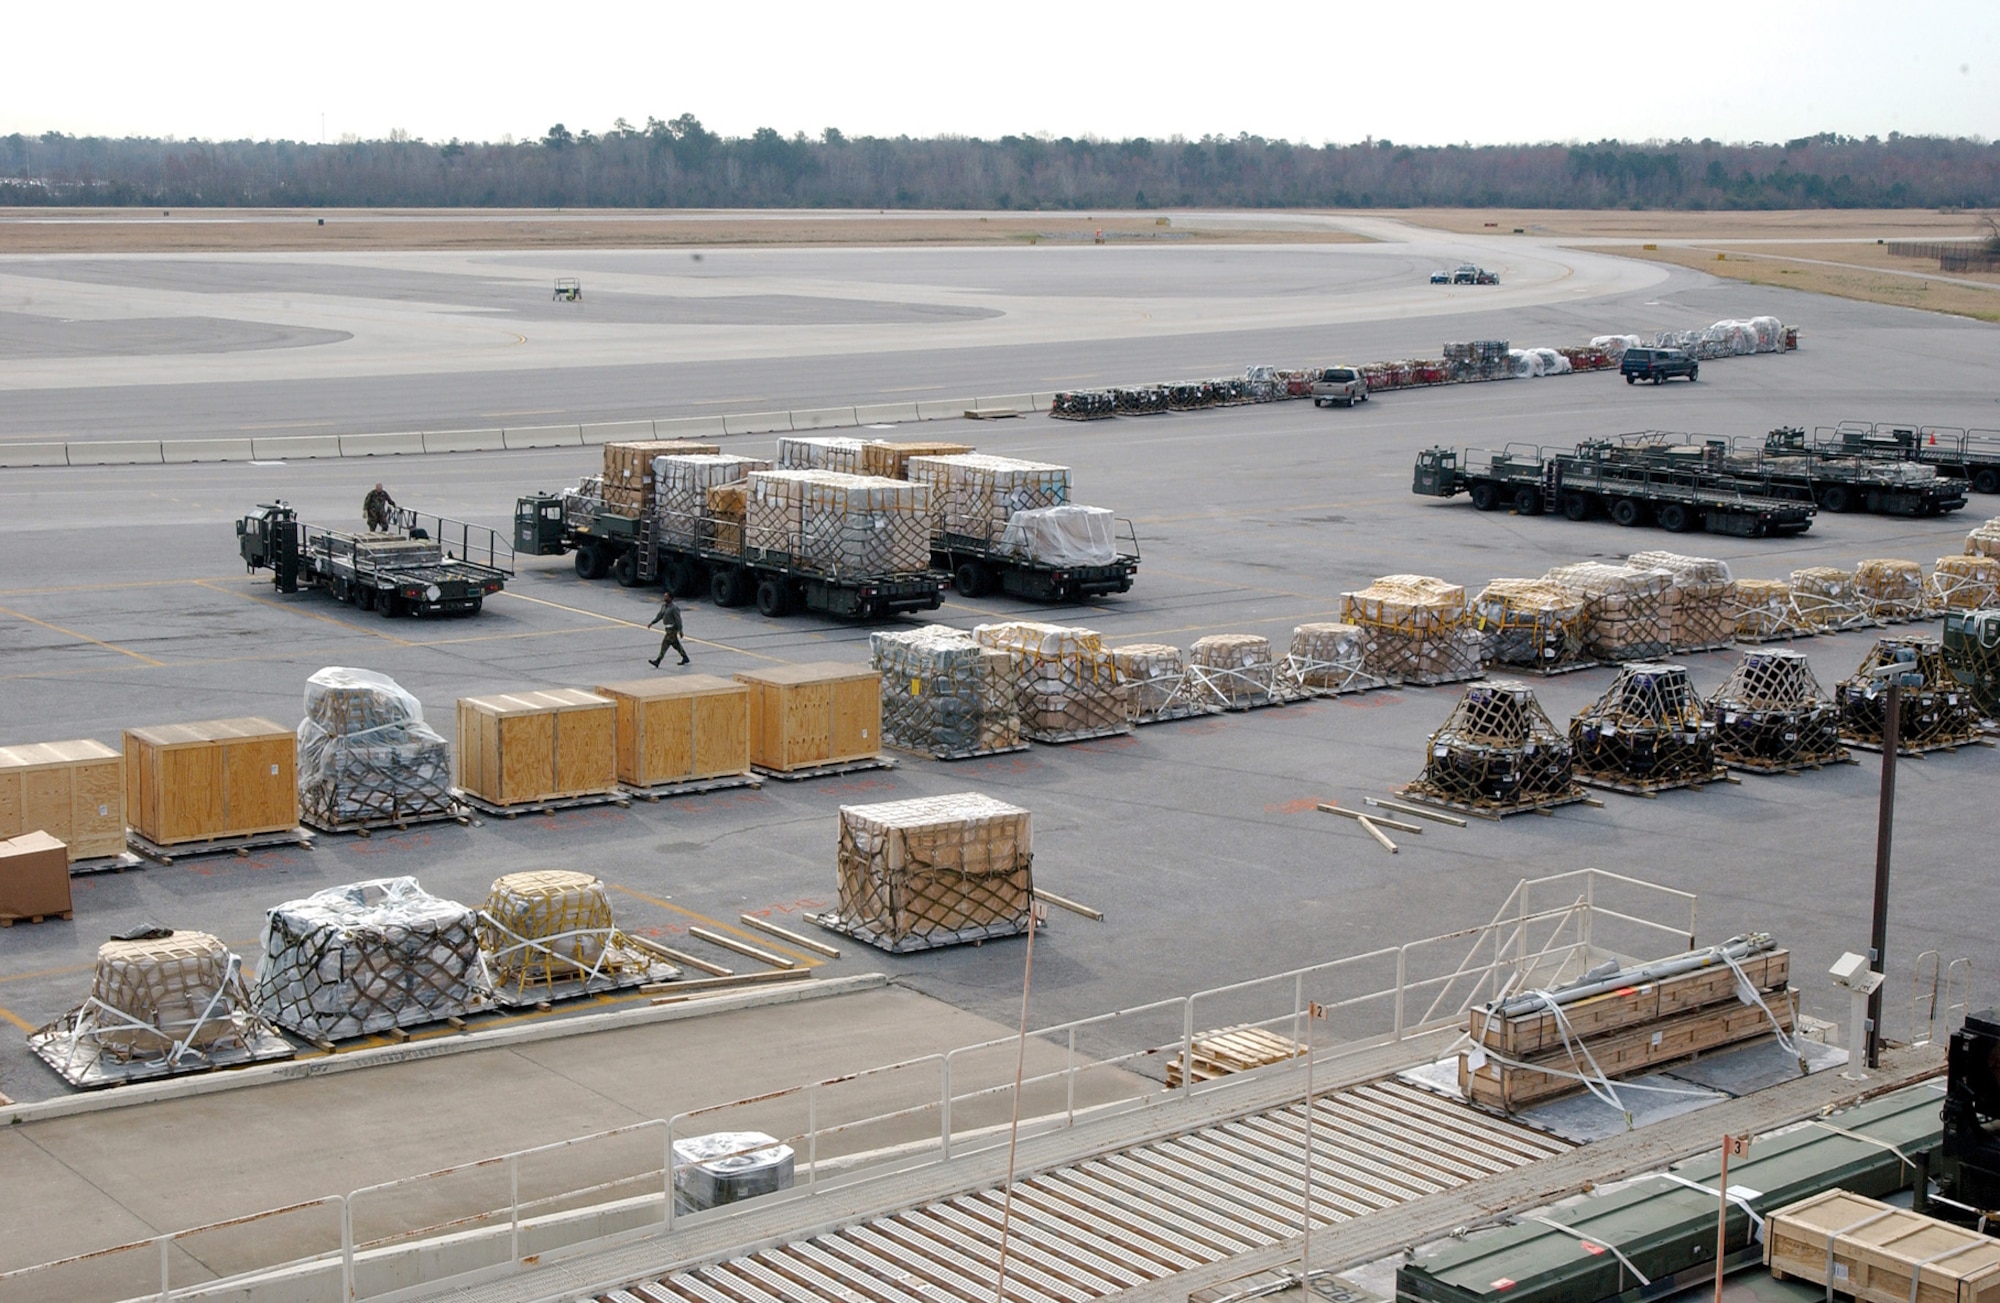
point(617, 431)
point(182, 451)
point(544, 436)
point(116, 452)
point(689, 427)
point(758, 423)
point(1005, 403)
point(296, 447)
point(381, 445)
point(824, 418)
point(1043, 402)
point(942, 409)
point(464, 441)
point(885, 413)
point(34, 454)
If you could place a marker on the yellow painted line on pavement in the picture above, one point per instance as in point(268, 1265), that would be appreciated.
point(634, 624)
point(759, 939)
point(111, 588)
point(81, 637)
point(298, 610)
point(16, 1019)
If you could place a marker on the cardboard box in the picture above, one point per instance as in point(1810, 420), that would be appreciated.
point(935, 870)
point(521, 747)
point(675, 729)
point(805, 715)
point(74, 791)
point(628, 471)
point(34, 877)
point(209, 780)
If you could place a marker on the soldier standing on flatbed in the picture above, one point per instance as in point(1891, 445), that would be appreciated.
point(375, 509)
point(668, 617)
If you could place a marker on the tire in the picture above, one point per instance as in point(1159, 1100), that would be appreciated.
point(1627, 512)
point(969, 579)
point(1319, 402)
point(679, 575)
point(1835, 498)
point(1986, 480)
point(590, 562)
point(478, 602)
point(774, 599)
point(1485, 495)
point(1630, 378)
point(390, 606)
point(1874, 500)
point(725, 587)
point(626, 570)
point(1577, 505)
point(1675, 518)
point(365, 598)
point(1527, 501)
point(1694, 372)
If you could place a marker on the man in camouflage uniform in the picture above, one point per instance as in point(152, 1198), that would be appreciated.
point(668, 617)
point(375, 509)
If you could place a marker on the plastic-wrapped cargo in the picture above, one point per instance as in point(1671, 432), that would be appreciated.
point(974, 495)
point(1234, 671)
point(1063, 536)
point(366, 757)
point(1156, 684)
point(1628, 611)
point(1417, 630)
point(820, 453)
point(582, 500)
point(1528, 362)
point(681, 486)
point(1937, 715)
point(1826, 600)
point(1984, 540)
point(627, 482)
point(1762, 611)
point(1531, 624)
point(727, 1167)
point(1963, 583)
point(945, 695)
point(1702, 619)
point(1327, 658)
point(1065, 683)
point(1771, 716)
point(550, 931)
point(1888, 589)
point(1647, 732)
point(369, 956)
point(1616, 345)
point(1497, 754)
point(838, 524)
point(934, 871)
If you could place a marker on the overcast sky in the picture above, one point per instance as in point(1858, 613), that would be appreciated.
point(1436, 72)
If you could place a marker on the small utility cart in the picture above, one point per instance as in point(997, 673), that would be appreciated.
point(569, 289)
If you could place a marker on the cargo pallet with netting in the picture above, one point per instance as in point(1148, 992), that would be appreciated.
point(1065, 684)
point(1763, 611)
point(1415, 630)
point(934, 871)
point(944, 695)
point(1145, 400)
point(1646, 734)
point(153, 850)
point(1939, 716)
point(1156, 684)
point(1772, 717)
point(1891, 591)
point(1089, 405)
point(1532, 624)
point(1497, 754)
point(1326, 660)
point(164, 1006)
point(1235, 671)
point(1701, 618)
point(367, 759)
point(548, 935)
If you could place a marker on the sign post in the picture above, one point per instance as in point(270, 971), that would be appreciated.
point(1315, 1012)
point(1731, 1145)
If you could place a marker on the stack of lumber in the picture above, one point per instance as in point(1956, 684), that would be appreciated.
point(683, 485)
point(974, 495)
point(74, 791)
point(366, 756)
point(935, 871)
point(1531, 623)
point(1233, 670)
point(210, 780)
point(824, 453)
point(1888, 589)
point(945, 695)
point(521, 748)
point(1701, 616)
point(681, 729)
point(1963, 583)
point(1628, 611)
point(892, 460)
point(1063, 681)
point(839, 524)
point(627, 485)
point(1875, 1252)
point(803, 716)
point(1416, 629)
point(1230, 1049)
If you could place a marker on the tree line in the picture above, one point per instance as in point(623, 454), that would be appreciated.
point(681, 164)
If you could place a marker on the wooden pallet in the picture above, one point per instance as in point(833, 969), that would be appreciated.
point(366, 827)
point(1797, 767)
point(1067, 736)
point(105, 864)
point(972, 753)
point(548, 806)
point(239, 846)
point(9, 920)
point(1720, 774)
point(1231, 1049)
point(1905, 747)
point(975, 934)
point(827, 770)
point(691, 786)
point(1493, 814)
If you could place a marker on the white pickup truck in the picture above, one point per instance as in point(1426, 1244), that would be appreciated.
point(1339, 384)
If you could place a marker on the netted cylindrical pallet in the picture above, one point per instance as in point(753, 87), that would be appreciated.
point(1648, 731)
point(945, 695)
point(1628, 611)
point(1146, 400)
point(1890, 590)
point(1772, 716)
point(1087, 405)
point(1063, 682)
point(1963, 583)
point(1701, 619)
point(550, 926)
point(1416, 629)
point(1936, 715)
point(821, 453)
point(1984, 540)
point(369, 956)
point(1762, 611)
point(1234, 671)
point(838, 524)
point(1156, 684)
point(681, 488)
point(1826, 600)
point(973, 495)
point(1972, 654)
point(1328, 658)
point(366, 757)
point(934, 871)
point(1531, 624)
point(1498, 752)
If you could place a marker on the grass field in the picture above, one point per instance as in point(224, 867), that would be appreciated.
point(1624, 224)
point(1850, 271)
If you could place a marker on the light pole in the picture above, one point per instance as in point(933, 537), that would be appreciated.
point(1899, 674)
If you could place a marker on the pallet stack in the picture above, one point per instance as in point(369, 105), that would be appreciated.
point(1416, 629)
point(1327, 658)
point(934, 871)
point(627, 482)
point(683, 485)
point(1234, 671)
point(1628, 611)
point(1531, 624)
point(1701, 619)
point(838, 524)
point(1064, 682)
point(973, 495)
point(1155, 682)
point(944, 695)
point(1230, 1050)
point(366, 757)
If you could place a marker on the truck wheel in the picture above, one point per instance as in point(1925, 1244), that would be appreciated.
point(1986, 480)
point(725, 587)
point(365, 598)
point(1874, 501)
point(1627, 512)
point(1485, 495)
point(590, 562)
point(1675, 518)
point(1693, 373)
point(970, 579)
point(1835, 498)
point(626, 569)
point(390, 605)
point(1630, 378)
point(679, 574)
point(1528, 501)
point(478, 601)
point(1576, 506)
point(773, 599)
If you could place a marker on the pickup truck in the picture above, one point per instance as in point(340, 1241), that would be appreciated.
point(1656, 365)
point(1338, 384)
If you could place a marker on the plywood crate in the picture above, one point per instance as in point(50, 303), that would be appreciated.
point(1872, 1250)
point(673, 729)
point(892, 460)
point(517, 748)
point(1538, 1032)
point(74, 791)
point(210, 780)
point(817, 714)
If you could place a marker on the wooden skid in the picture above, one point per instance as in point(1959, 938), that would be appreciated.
point(1905, 747)
point(152, 850)
point(826, 771)
point(9, 920)
point(691, 786)
point(615, 796)
point(1795, 767)
point(106, 864)
point(834, 922)
point(97, 1071)
point(1228, 1050)
point(1537, 1032)
point(1494, 813)
point(363, 827)
point(1545, 670)
point(513, 995)
point(1088, 416)
point(1076, 734)
point(965, 753)
point(1719, 774)
point(1171, 713)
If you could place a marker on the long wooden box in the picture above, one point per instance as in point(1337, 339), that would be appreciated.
point(212, 779)
point(805, 715)
point(1535, 1033)
point(520, 747)
point(684, 727)
point(74, 791)
point(1873, 1249)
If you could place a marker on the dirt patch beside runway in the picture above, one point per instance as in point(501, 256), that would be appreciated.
point(1625, 224)
point(1851, 271)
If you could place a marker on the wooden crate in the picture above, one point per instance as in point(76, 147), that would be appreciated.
point(1873, 1250)
point(517, 748)
point(74, 791)
point(805, 715)
point(685, 727)
point(209, 780)
point(1529, 1034)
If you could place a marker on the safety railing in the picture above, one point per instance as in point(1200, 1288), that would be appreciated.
point(461, 540)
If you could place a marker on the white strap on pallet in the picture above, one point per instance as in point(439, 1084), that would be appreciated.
point(1756, 1222)
point(1917, 1268)
point(1866, 1140)
point(1833, 1239)
point(1592, 1239)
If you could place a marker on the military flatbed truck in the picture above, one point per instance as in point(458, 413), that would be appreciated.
point(1599, 477)
point(732, 574)
point(977, 567)
point(1841, 480)
point(420, 565)
point(1969, 455)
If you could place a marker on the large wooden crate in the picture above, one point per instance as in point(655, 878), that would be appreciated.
point(210, 780)
point(689, 726)
point(806, 715)
point(1537, 1032)
point(74, 791)
point(517, 748)
point(1872, 1250)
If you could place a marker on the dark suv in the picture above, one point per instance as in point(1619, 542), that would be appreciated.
point(1656, 364)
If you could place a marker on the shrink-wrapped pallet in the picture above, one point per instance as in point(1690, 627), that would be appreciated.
point(366, 757)
point(1065, 684)
point(1963, 583)
point(1531, 623)
point(1416, 630)
point(1234, 670)
point(892, 460)
point(837, 524)
point(682, 485)
point(627, 482)
point(1628, 611)
point(973, 495)
point(934, 871)
point(369, 956)
point(945, 695)
point(1328, 657)
point(1825, 599)
point(547, 926)
point(821, 453)
point(1984, 540)
point(1701, 619)
point(1155, 682)
point(1888, 589)
point(1061, 536)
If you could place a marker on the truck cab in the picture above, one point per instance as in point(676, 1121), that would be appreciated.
point(1437, 473)
point(538, 525)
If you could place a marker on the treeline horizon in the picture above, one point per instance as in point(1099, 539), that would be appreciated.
point(681, 164)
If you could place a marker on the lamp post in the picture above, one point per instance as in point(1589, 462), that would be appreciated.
point(1899, 675)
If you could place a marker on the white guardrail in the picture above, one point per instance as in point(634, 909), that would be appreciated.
point(490, 1218)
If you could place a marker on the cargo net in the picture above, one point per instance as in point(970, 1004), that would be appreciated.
point(821, 454)
point(933, 871)
point(1591, 357)
point(1628, 611)
point(1826, 600)
point(1531, 624)
point(1936, 716)
point(1087, 405)
point(1235, 671)
point(1497, 753)
point(627, 482)
point(722, 525)
point(369, 956)
point(176, 1003)
point(583, 500)
point(1411, 373)
point(549, 932)
point(1062, 681)
point(891, 461)
point(1326, 660)
point(1771, 716)
point(1984, 540)
point(1156, 684)
point(1479, 359)
point(972, 495)
point(1972, 653)
point(1889, 590)
point(1701, 618)
point(1763, 611)
point(1415, 629)
point(945, 695)
point(1191, 395)
point(1647, 732)
point(1963, 583)
point(838, 524)
point(366, 757)
point(682, 485)
point(1145, 400)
